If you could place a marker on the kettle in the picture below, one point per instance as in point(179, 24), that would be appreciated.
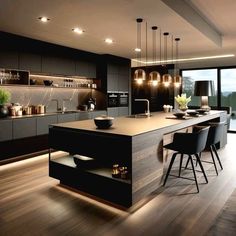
point(91, 104)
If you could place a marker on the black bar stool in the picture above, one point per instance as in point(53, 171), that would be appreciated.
point(189, 144)
point(214, 136)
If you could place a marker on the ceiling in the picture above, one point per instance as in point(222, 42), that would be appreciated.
point(206, 27)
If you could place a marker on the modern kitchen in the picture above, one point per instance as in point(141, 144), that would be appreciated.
point(113, 112)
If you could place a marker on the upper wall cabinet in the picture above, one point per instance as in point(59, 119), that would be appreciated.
point(9, 60)
point(31, 62)
point(87, 69)
point(58, 65)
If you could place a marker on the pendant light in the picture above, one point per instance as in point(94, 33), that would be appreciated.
point(177, 77)
point(154, 76)
point(139, 74)
point(166, 78)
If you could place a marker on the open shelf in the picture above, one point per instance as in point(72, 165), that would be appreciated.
point(95, 170)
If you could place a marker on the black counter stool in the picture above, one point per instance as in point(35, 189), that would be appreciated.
point(214, 136)
point(189, 144)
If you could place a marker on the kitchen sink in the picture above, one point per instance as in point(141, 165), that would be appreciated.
point(141, 115)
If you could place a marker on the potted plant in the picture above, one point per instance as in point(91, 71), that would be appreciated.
point(183, 101)
point(5, 97)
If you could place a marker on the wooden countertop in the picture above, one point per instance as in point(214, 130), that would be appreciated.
point(130, 126)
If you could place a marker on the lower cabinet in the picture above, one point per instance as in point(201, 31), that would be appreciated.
point(83, 115)
point(23, 128)
point(113, 111)
point(6, 130)
point(66, 117)
point(98, 113)
point(44, 122)
point(123, 111)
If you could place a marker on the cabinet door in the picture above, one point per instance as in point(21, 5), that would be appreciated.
point(84, 115)
point(123, 83)
point(6, 130)
point(113, 111)
point(31, 62)
point(112, 82)
point(91, 70)
point(44, 122)
point(112, 68)
point(58, 65)
point(9, 60)
point(24, 127)
point(123, 111)
point(81, 68)
point(98, 113)
point(66, 117)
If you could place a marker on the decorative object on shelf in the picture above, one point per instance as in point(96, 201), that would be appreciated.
point(154, 76)
point(115, 171)
point(166, 78)
point(91, 104)
point(103, 122)
point(204, 88)
point(183, 101)
point(5, 97)
point(139, 74)
point(177, 76)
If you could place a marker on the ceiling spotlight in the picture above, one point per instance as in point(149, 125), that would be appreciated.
point(108, 41)
point(44, 19)
point(78, 30)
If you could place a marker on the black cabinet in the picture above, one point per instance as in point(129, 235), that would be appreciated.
point(9, 59)
point(84, 68)
point(112, 82)
point(123, 83)
point(6, 130)
point(58, 65)
point(25, 127)
point(44, 122)
point(31, 62)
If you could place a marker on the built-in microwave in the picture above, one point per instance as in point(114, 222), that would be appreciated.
point(112, 99)
point(123, 99)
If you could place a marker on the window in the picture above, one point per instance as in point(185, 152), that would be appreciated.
point(190, 76)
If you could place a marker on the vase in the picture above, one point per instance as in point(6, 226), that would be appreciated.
point(3, 111)
point(183, 108)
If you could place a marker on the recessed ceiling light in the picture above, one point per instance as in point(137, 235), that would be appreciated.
point(108, 40)
point(44, 19)
point(78, 30)
point(137, 49)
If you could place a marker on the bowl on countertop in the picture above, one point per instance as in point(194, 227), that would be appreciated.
point(179, 114)
point(103, 122)
point(48, 82)
point(192, 113)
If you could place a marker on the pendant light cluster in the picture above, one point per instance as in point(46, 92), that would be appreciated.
point(154, 77)
point(139, 74)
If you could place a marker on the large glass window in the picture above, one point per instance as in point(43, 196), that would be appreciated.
point(190, 76)
point(228, 92)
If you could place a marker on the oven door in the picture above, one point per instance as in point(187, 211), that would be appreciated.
point(112, 100)
point(123, 100)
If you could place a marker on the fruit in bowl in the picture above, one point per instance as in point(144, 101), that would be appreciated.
point(103, 122)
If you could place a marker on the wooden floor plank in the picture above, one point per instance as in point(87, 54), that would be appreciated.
point(32, 203)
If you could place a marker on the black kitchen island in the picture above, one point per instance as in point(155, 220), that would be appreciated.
point(136, 143)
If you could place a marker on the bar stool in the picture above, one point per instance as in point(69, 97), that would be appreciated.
point(214, 136)
point(189, 144)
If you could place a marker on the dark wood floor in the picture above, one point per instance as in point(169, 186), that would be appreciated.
point(31, 203)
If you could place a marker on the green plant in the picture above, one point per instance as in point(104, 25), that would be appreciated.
point(5, 96)
point(183, 100)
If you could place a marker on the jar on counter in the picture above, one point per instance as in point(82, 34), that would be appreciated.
point(115, 171)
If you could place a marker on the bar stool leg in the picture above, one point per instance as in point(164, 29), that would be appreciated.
point(170, 166)
point(201, 166)
point(217, 156)
point(180, 164)
point(213, 159)
point(186, 165)
point(191, 160)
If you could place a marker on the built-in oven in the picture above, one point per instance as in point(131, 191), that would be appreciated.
point(123, 99)
point(112, 99)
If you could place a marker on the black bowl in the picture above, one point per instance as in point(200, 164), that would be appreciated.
point(48, 82)
point(193, 113)
point(179, 114)
point(103, 122)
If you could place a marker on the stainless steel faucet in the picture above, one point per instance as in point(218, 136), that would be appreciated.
point(63, 104)
point(147, 113)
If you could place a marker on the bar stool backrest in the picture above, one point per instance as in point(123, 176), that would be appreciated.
point(215, 133)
